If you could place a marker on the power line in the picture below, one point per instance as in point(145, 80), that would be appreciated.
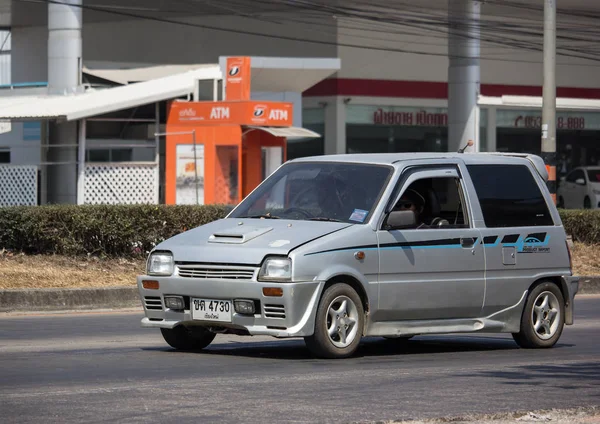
point(421, 23)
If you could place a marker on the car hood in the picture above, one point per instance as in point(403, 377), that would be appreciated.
point(245, 241)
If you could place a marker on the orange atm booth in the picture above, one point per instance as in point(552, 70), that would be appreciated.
point(218, 152)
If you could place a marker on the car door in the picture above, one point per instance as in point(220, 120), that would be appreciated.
point(437, 272)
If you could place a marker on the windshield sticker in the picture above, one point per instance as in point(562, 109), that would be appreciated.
point(358, 215)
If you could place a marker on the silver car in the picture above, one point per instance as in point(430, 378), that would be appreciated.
point(334, 248)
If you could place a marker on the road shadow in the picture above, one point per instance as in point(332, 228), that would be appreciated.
point(295, 349)
point(554, 376)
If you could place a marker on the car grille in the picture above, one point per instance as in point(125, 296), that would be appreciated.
point(209, 272)
point(153, 303)
point(275, 311)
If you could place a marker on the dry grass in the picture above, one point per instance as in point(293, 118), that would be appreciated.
point(586, 259)
point(44, 271)
point(41, 271)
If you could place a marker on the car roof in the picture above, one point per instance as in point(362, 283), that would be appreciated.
point(392, 158)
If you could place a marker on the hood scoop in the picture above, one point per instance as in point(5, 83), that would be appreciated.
point(238, 235)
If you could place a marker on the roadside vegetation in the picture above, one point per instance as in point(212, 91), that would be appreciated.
point(104, 246)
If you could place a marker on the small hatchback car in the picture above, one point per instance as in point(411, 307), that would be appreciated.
point(334, 248)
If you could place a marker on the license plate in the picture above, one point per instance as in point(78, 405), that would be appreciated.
point(211, 310)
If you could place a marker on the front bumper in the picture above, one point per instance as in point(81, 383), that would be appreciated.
point(298, 305)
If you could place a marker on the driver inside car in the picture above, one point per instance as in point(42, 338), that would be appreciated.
point(412, 200)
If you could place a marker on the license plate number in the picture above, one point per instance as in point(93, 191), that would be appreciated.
point(211, 310)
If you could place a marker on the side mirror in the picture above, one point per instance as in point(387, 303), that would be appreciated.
point(580, 181)
point(400, 219)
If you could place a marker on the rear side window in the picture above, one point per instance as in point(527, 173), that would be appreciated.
point(509, 196)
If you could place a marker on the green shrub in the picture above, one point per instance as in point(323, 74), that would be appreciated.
point(102, 230)
point(132, 231)
point(583, 225)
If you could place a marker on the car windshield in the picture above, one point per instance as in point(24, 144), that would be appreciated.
point(319, 191)
point(594, 175)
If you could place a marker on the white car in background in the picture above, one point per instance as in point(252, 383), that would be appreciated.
point(580, 188)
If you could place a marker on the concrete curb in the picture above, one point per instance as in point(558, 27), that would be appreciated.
point(125, 297)
point(589, 285)
point(69, 299)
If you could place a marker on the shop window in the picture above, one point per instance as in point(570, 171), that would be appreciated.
point(312, 119)
point(121, 155)
point(396, 129)
point(109, 155)
point(509, 196)
point(577, 135)
point(4, 155)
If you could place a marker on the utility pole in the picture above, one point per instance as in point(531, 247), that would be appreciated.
point(549, 99)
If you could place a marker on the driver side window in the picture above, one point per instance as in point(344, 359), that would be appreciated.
point(436, 202)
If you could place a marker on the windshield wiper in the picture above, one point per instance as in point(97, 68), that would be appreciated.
point(266, 216)
point(323, 218)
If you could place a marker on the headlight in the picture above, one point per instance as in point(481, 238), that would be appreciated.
point(160, 263)
point(596, 191)
point(276, 269)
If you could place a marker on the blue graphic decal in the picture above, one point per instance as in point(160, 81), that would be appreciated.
point(426, 244)
point(530, 244)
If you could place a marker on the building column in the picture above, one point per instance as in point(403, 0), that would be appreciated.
point(335, 126)
point(463, 73)
point(492, 122)
point(64, 77)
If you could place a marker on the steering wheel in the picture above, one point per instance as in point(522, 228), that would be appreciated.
point(439, 222)
point(301, 211)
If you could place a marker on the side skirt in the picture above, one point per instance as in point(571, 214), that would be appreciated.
point(505, 321)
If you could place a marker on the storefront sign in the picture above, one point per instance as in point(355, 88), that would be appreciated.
point(237, 81)
point(533, 120)
point(411, 118)
point(243, 113)
point(402, 116)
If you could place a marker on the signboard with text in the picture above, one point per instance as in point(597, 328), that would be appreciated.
point(533, 119)
point(267, 113)
point(237, 80)
point(400, 116)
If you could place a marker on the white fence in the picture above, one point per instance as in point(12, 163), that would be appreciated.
point(127, 183)
point(18, 185)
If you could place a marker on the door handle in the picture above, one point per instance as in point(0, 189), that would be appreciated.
point(467, 242)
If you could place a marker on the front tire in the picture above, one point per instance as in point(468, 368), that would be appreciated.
point(338, 324)
point(543, 317)
point(183, 338)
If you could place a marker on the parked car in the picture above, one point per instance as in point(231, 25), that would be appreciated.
point(580, 188)
point(334, 248)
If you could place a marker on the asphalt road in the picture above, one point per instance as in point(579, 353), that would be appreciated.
point(102, 367)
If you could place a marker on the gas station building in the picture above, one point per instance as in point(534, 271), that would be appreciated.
point(110, 108)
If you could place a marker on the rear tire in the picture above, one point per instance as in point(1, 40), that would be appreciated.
point(543, 317)
point(183, 338)
point(338, 323)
